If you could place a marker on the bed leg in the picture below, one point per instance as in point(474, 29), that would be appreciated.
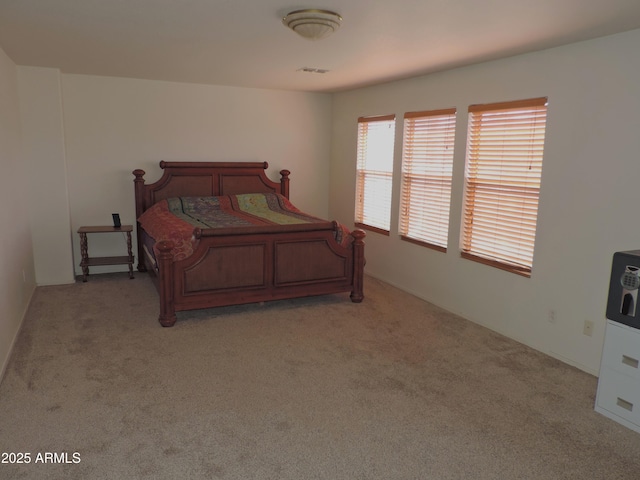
point(140, 198)
point(142, 268)
point(167, 316)
point(357, 294)
point(167, 321)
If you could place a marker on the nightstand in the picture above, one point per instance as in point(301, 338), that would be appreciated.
point(93, 261)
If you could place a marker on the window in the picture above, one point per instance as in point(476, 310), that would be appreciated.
point(374, 172)
point(503, 170)
point(427, 164)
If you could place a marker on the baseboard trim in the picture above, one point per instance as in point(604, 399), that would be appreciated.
point(523, 341)
point(5, 361)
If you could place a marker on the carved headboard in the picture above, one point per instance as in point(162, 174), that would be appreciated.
point(191, 179)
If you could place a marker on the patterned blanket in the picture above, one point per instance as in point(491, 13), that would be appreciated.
point(175, 219)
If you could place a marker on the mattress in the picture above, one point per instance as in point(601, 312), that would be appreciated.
point(182, 219)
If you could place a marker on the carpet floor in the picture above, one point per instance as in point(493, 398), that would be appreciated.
point(314, 388)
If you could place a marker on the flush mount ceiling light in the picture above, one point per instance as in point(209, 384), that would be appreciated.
point(313, 24)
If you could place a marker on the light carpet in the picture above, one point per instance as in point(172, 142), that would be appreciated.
point(314, 388)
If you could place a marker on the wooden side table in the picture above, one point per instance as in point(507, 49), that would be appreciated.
point(119, 260)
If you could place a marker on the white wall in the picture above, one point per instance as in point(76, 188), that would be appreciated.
point(45, 161)
point(589, 198)
point(17, 275)
point(113, 126)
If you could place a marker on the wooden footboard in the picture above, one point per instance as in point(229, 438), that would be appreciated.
point(232, 269)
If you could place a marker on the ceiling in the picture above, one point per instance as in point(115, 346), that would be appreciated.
point(243, 42)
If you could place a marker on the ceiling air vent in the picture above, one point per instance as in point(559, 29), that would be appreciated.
point(312, 70)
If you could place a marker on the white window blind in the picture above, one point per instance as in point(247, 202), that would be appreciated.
point(374, 172)
point(503, 171)
point(427, 164)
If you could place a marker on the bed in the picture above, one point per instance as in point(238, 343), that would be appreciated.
point(253, 259)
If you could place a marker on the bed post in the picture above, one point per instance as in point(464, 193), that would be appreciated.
point(284, 183)
point(139, 192)
point(357, 294)
point(165, 283)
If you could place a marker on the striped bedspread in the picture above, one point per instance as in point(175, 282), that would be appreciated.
point(174, 219)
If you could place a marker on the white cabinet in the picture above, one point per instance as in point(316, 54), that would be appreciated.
point(618, 394)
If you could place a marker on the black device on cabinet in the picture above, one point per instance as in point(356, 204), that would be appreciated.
point(622, 304)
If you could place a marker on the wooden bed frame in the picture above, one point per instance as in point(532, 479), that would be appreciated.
point(259, 264)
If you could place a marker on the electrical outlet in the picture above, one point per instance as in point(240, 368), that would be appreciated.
point(552, 316)
point(588, 328)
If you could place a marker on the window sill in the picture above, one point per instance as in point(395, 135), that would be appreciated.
point(372, 229)
point(517, 269)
